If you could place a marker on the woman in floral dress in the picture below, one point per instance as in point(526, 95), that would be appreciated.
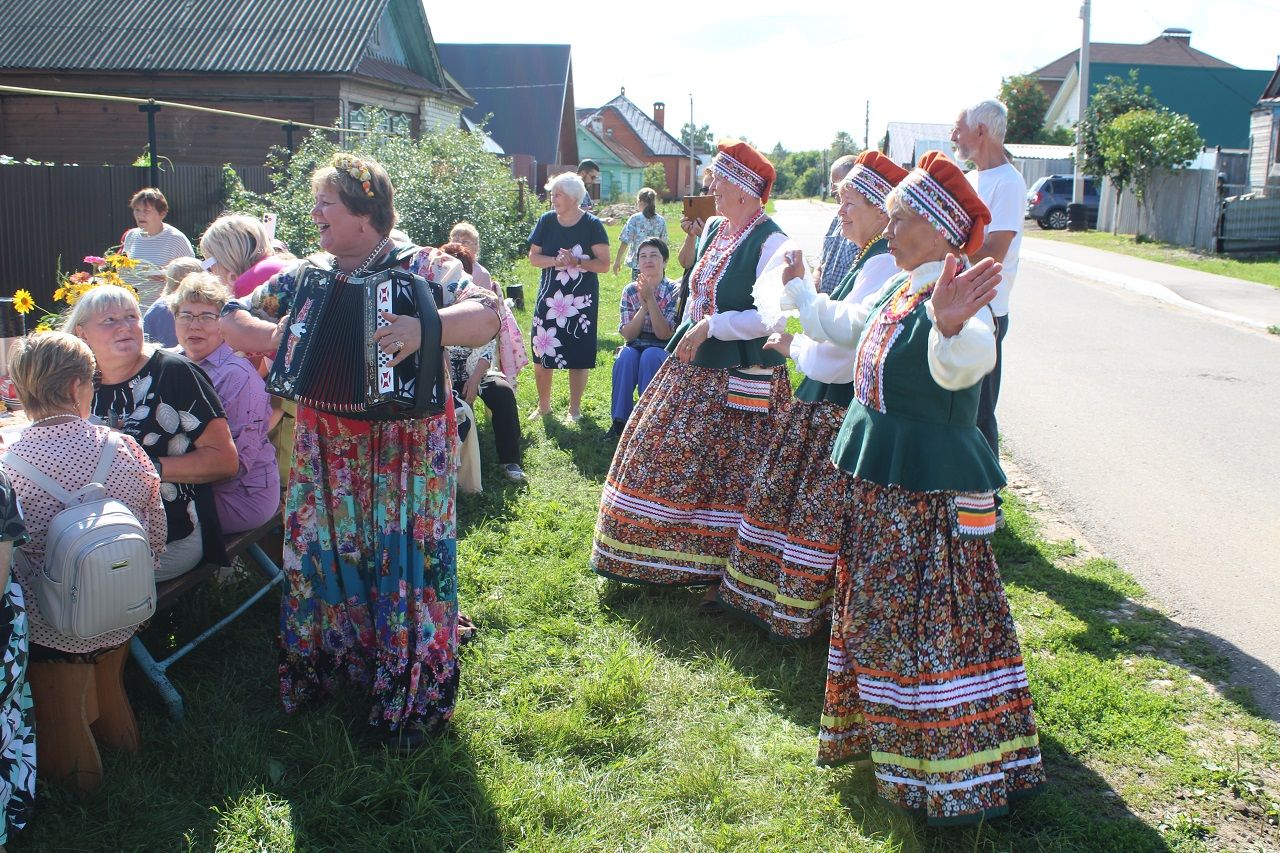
point(924, 671)
point(571, 248)
point(370, 554)
point(17, 717)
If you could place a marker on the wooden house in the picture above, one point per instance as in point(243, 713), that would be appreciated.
point(1264, 136)
point(316, 61)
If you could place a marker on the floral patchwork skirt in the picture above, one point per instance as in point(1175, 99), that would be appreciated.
point(781, 570)
point(925, 673)
point(681, 475)
point(17, 716)
point(371, 562)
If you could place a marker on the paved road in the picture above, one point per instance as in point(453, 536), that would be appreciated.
point(1157, 430)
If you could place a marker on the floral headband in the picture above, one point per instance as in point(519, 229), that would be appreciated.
point(356, 170)
point(870, 183)
point(738, 173)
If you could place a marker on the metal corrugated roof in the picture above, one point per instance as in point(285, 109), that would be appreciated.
point(227, 36)
point(656, 139)
point(524, 87)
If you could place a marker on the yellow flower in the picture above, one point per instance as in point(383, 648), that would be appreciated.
point(122, 262)
point(23, 302)
point(43, 326)
point(59, 294)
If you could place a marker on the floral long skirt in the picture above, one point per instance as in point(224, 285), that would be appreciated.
point(781, 570)
point(17, 716)
point(925, 672)
point(371, 562)
point(680, 478)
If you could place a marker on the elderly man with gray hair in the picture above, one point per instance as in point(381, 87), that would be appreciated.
point(979, 138)
point(838, 254)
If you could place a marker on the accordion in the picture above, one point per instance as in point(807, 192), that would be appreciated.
point(329, 361)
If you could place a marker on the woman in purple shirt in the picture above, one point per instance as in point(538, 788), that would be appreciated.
point(252, 496)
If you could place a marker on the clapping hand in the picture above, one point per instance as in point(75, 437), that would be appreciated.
point(956, 298)
point(795, 265)
point(780, 342)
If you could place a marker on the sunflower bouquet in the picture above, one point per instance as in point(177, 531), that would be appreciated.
point(115, 268)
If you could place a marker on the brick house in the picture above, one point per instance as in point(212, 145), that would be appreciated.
point(645, 137)
point(350, 55)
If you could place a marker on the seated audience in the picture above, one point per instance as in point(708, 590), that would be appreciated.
point(471, 369)
point(240, 252)
point(648, 317)
point(511, 352)
point(167, 405)
point(252, 496)
point(54, 376)
point(157, 323)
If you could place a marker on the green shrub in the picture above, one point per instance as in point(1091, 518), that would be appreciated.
point(440, 179)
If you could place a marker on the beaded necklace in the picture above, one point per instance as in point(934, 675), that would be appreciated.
point(44, 420)
point(711, 266)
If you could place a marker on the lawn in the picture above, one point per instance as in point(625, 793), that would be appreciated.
point(1263, 269)
point(595, 716)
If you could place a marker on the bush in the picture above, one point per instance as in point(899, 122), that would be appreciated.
point(655, 178)
point(440, 179)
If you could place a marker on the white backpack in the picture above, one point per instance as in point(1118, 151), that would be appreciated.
point(99, 571)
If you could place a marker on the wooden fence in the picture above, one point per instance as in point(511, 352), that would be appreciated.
point(55, 215)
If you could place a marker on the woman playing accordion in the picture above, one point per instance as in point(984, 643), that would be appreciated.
point(369, 552)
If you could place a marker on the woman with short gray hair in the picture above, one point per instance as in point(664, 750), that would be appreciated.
point(571, 248)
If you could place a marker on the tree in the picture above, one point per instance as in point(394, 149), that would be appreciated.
point(1027, 104)
point(1139, 143)
point(1113, 98)
point(1057, 136)
point(655, 178)
point(700, 139)
point(843, 144)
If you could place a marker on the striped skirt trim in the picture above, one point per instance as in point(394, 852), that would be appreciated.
point(781, 571)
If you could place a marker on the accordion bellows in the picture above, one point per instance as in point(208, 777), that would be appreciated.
point(328, 360)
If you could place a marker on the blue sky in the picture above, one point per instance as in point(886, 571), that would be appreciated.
point(800, 77)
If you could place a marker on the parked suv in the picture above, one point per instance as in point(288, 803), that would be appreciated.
point(1049, 196)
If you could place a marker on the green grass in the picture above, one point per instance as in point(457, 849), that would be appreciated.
point(598, 717)
point(1263, 270)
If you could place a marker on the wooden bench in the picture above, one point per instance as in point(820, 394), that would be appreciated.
point(79, 706)
point(167, 593)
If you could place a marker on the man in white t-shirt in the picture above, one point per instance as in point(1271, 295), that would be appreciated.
point(979, 137)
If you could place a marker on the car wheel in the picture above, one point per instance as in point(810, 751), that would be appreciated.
point(1057, 219)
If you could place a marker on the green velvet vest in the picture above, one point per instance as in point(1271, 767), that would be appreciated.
point(733, 293)
point(813, 391)
point(926, 439)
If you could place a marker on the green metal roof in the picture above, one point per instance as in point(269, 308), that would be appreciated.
point(1219, 100)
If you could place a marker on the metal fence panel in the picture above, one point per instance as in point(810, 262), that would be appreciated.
point(59, 214)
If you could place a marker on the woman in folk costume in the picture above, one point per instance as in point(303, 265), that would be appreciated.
point(687, 458)
point(925, 672)
point(781, 570)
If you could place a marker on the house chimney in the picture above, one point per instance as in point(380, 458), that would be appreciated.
point(1177, 33)
point(660, 114)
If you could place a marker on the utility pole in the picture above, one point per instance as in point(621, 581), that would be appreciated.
point(1077, 219)
point(693, 158)
point(866, 129)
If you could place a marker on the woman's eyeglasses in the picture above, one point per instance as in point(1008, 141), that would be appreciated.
point(204, 317)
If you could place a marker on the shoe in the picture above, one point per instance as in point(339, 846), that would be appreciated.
point(571, 418)
point(538, 414)
point(615, 431)
point(1000, 522)
point(514, 473)
point(710, 608)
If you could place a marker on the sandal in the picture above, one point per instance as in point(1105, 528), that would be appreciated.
point(466, 630)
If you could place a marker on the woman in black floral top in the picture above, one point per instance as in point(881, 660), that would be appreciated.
point(169, 406)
